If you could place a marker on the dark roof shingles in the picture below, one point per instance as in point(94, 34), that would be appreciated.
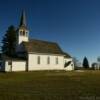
point(40, 46)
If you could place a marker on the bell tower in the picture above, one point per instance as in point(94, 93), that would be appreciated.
point(22, 32)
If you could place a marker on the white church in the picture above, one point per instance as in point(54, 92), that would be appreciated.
point(34, 55)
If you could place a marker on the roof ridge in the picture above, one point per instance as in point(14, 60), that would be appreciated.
point(43, 41)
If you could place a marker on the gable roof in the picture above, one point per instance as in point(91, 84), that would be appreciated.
point(40, 46)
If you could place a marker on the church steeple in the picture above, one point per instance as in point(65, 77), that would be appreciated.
point(23, 31)
point(23, 19)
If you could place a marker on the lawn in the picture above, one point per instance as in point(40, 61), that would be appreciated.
point(50, 85)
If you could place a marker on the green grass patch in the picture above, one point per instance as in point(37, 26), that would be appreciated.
point(50, 85)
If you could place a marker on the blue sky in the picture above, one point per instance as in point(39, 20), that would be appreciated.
point(74, 24)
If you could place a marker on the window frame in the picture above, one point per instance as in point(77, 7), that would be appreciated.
point(57, 61)
point(48, 60)
point(38, 60)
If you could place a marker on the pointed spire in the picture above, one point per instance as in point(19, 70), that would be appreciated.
point(23, 19)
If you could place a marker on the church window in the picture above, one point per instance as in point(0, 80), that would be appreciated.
point(21, 32)
point(38, 60)
point(48, 60)
point(56, 60)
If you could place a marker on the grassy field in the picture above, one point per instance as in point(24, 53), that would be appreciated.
point(50, 85)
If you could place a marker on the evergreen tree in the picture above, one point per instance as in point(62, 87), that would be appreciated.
point(85, 63)
point(9, 41)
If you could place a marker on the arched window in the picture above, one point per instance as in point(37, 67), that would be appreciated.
point(38, 60)
point(57, 60)
point(48, 60)
point(21, 33)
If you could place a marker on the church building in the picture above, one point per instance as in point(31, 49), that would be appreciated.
point(34, 54)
